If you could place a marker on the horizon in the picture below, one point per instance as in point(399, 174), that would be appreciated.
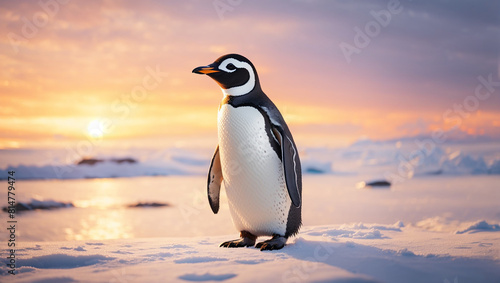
point(119, 74)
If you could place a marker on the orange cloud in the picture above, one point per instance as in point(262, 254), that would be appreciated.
point(84, 63)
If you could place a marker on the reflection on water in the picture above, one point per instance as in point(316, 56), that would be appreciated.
point(101, 226)
point(101, 202)
point(101, 210)
point(105, 194)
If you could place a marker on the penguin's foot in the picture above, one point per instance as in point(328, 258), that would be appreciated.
point(276, 243)
point(247, 239)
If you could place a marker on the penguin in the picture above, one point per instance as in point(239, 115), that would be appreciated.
point(256, 158)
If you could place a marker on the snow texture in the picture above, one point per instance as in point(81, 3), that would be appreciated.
point(480, 226)
point(318, 254)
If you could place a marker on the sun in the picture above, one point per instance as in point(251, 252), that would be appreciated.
point(95, 129)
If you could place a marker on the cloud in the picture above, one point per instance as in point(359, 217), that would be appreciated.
point(426, 60)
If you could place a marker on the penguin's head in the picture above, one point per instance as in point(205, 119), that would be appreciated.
point(234, 73)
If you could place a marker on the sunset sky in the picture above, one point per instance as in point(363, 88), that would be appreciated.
point(119, 72)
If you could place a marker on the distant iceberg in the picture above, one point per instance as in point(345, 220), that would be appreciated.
point(114, 168)
point(464, 164)
point(375, 159)
point(494, 168)
point(36, 204)
point(93, 161)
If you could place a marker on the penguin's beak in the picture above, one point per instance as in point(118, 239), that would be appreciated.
point(206, 69)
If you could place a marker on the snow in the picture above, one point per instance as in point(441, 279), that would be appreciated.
point(439, 221)
point(206, 277)
point(170, 161)
point(107, 170)
point(495, 167)
point(398, 254)
point(358, 231)
point(63, 261)
point(461, 164)
point(428, 229)
point(480, 226)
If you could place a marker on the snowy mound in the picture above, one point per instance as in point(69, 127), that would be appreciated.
point(480, 226)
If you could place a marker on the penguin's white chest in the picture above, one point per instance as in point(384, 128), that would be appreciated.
point(252, 172)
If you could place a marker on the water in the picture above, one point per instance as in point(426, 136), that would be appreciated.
point(101, 208)
point(101, 205)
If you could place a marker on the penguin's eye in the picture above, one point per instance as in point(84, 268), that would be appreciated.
point(231, 67)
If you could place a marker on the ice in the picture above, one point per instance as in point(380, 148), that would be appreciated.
point(39, 204)
point(405, 158)
point(406, 234)
point(358, 231)
point(463, 164)
point(109, 169)
point(429, 162)
point(148, 204)
point(206, 277)
point(494, 168)
point(64, 261)
point(479, 227)
point(378, 183)
point(198, 259)
point(316, 167)
point(408, 255)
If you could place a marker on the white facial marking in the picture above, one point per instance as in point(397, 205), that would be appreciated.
point(242, 89)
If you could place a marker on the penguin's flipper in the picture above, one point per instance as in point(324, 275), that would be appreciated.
point(291, 165)
point(214, 181)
